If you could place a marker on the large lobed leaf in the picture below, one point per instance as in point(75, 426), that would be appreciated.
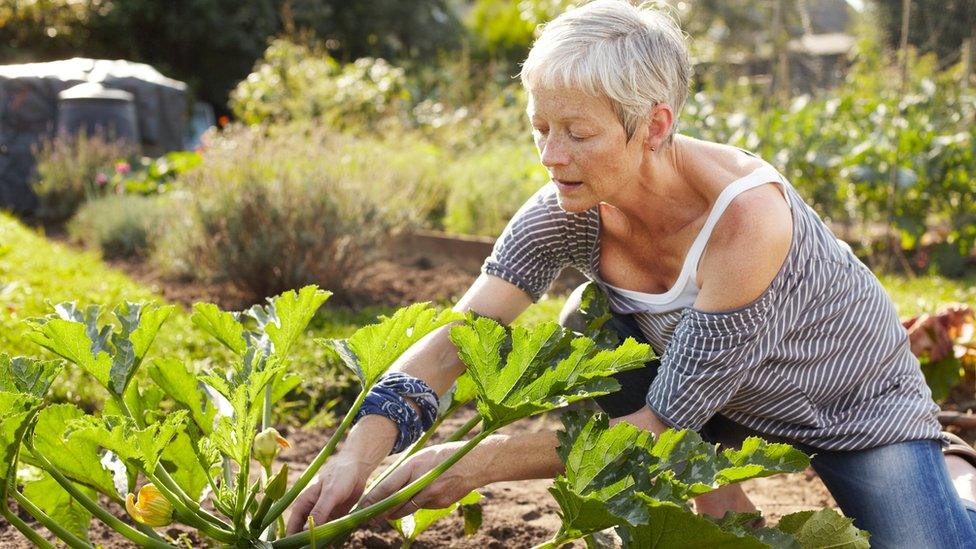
point(372, 349)
point(17, 410)
point(77, 458)
point(27, 375)
point(622, 476)
point(182, 385)
point(286, 316)
point(125, 439)
point(111, 357)
point(531, 370)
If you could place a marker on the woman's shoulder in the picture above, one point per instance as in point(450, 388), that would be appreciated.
point(748, 248)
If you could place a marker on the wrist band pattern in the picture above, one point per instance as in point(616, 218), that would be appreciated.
point(386, 398)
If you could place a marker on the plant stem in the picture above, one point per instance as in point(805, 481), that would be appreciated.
point(162, 477)
point(330, 530)
point(110, 520)
point(189, 516)
point(69, 538)
point(416, 446)
point(555, 542)
point(279, 506)
point(24, 528)
point(464, 429)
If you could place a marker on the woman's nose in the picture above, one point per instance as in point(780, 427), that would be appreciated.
point(553, 153)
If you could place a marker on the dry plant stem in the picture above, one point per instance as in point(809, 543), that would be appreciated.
point(101, 514)
point(61, 532)
point(330, 530)
point(279, 506)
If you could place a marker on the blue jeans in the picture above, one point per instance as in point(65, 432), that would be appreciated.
point(900, 493)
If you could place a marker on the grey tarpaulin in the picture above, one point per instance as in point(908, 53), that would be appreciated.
point(29, 106)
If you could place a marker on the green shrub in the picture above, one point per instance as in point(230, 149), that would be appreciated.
point(119, 225)
point(487, 188)
point(294, 82)
point(71, 170)
point(276, 208)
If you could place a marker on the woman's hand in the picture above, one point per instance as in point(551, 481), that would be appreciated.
point(331, 494)
point(454, 484)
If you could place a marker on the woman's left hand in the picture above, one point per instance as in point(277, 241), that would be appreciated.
point(463, 477)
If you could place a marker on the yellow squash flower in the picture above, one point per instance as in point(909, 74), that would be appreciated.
point(152, 508)
point(267, 444)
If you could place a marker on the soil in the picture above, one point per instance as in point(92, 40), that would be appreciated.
point(387, 282)
point(516, 514)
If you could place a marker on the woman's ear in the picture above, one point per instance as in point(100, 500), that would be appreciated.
point(659, 122)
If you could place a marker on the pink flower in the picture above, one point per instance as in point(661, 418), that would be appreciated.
point(123, 168)
point(101, 179)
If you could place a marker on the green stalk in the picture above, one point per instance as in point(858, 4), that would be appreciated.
point(557, 541)
point(279, 506)
point(413, 449)
point(24, 528)
point(464, 429)
point(92, 507)
point(162, 477)
point(188, 515)
point(417, 446)
point(68, 537)
point(330, 530)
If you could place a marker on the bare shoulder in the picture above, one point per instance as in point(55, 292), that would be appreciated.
point(746, 250)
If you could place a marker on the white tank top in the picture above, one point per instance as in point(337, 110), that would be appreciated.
point(685, 290)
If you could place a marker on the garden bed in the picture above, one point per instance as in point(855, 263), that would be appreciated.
point(516, 514)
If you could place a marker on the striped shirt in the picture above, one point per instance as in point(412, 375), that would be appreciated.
point(819, 357)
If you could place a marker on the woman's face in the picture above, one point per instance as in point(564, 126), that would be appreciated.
point(584, 147)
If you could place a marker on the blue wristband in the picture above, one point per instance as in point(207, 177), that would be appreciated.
point(386, 398)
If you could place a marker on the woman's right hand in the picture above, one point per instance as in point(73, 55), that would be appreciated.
point(332, 493)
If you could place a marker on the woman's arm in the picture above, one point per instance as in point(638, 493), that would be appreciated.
point(433, 359)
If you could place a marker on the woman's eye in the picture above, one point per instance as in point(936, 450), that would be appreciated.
point(576, 137)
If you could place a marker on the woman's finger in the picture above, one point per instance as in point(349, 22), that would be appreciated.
point(301, 508)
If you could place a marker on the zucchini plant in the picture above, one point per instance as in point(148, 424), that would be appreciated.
point(198, 447)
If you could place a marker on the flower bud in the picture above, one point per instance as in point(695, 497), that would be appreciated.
point(267, 445)
point(152, 508)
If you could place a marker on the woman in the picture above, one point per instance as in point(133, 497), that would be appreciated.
point(765, 323)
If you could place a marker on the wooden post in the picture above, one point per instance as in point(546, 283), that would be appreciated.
point(894, 239)
point(781, 54)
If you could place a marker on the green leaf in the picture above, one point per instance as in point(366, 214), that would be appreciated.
point(55, 501)
point(471, 512)
point(671, 526)
point(411, 526)
point(112, 358)
point(121, 435)
point(372, 349)
point(17, 410)
point(70, 340)
point(76, 458)
point(595, 309)
point(601, 465)
point(27, 375)
point(177, 381)
point(221, 325)
point(824, 528)
point(289, 314)
point(536, 369)
point(758, 458)
point(181, 461)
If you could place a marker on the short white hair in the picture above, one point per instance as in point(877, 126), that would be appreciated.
point(636, 56)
